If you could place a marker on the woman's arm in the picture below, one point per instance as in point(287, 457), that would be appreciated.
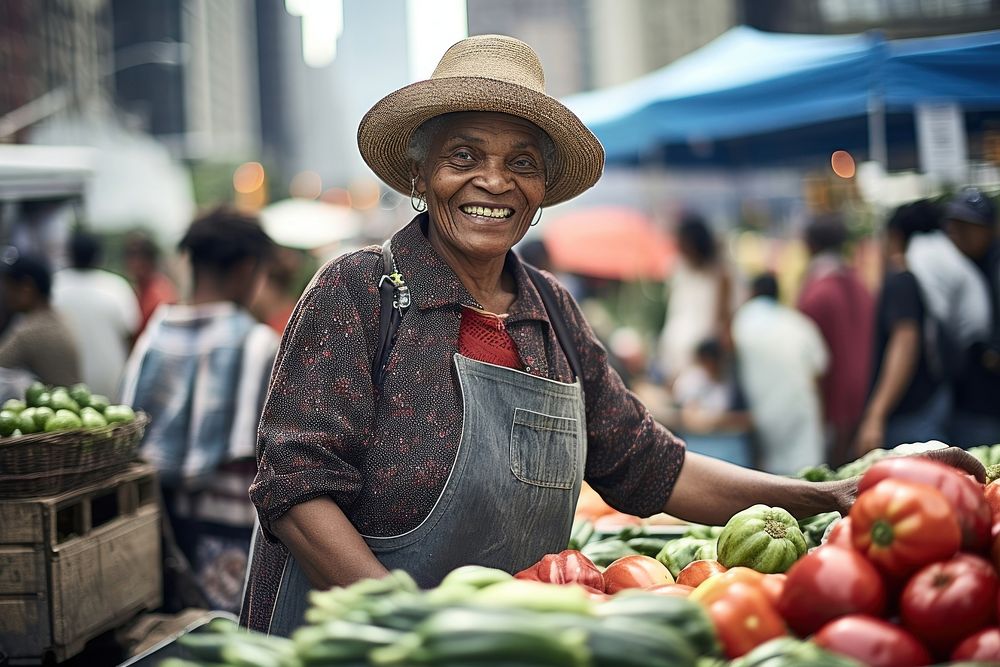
point(710, 491)
point(326, 545)
point(901, 356)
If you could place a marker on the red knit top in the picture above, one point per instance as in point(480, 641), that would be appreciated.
point(483, 337)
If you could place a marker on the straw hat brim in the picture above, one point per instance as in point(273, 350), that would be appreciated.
point(384, 133)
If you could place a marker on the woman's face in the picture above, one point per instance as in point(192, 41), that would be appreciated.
point(484, 179)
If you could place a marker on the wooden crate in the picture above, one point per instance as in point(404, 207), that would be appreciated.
point(75, 565)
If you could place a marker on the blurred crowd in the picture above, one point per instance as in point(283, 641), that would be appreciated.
point(739, 371)
point(783, 384)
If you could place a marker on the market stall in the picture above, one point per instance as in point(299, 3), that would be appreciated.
point(909, 577)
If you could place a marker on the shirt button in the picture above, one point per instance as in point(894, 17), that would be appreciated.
point(527, 369)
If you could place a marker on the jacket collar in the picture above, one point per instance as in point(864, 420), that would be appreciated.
point(433, 283)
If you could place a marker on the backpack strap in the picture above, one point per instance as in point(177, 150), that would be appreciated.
point(395, 298)
point(556, 318)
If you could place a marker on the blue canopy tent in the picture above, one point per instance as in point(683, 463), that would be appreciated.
point(751, 97)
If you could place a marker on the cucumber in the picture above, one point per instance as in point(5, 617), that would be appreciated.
point(683, 616)
point(473, 636)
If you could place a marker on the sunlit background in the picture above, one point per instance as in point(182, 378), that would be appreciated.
point(149, 109)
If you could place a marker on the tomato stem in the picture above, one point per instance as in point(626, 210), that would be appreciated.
point(882, 533)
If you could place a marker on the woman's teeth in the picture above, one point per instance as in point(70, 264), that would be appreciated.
point(486, 212)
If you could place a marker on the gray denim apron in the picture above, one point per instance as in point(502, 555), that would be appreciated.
point(511, 494)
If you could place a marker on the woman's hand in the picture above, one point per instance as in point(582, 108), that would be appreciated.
point(844, 492)
point(957, 457)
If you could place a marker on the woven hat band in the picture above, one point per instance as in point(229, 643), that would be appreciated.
point(493, 57)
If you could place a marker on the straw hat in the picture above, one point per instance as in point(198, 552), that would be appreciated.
point(484, 73)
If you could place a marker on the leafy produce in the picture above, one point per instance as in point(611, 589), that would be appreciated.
point(901, 526)
point(764, 538)
point(14, 405)
point(964, 495)
point(988, 455)
point(814, 528)
point(635, 572)
point(827, 583)
point(486, 618)
point(872, 641)
point(566, 567)
point(945, 602)
point(63, 420)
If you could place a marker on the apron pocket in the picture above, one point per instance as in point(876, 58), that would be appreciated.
point(544, 449)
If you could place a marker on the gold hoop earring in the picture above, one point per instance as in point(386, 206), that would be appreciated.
point(538, 217)
point(418, 202)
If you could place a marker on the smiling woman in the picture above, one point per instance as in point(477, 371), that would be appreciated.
point(469, 441)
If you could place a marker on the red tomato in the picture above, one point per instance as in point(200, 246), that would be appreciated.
point(671, 590)
point(635, 572)
point(995, 551)
point(946, 602)
point(773, 585)
point(827, 583)
point(963, 493)
point(565, 567)
point(840, 534)
point(714, 588)
point(984, 646)
point(744, 619)
point(991, 492)
point(901, 526)
point(872, 641)
point(698, 571)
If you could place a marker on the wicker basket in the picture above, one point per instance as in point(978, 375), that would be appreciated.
point(45, 464)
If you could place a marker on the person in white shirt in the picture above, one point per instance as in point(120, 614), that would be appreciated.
point(781, 354)
point(102, 312)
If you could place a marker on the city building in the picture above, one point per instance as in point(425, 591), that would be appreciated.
point(56, 52)
point(203, 105)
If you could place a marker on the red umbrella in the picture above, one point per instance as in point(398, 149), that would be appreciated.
point(609, 242)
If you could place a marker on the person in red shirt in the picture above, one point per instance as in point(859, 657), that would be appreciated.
point(842, 307)
point(151, 285)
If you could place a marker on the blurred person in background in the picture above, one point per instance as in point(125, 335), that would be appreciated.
point(698, 302)
point(971, 221)
point(101, 310)
point(834, 297)
point(781, 356)
point(277, 297)
point(151, 285)
point(200, 371)
point(910, 399)
point(38, 344)
point(704, 386)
